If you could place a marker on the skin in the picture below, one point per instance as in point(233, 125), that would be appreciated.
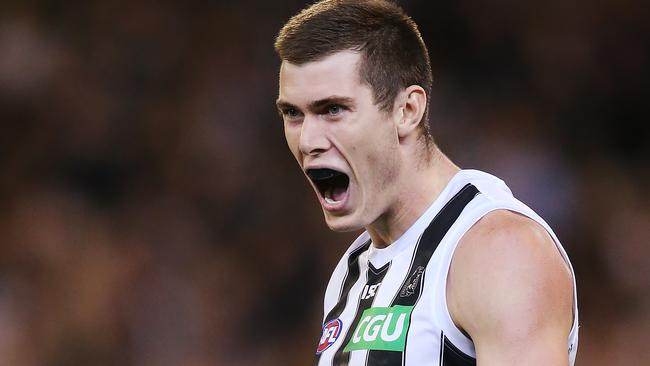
point(508, 288)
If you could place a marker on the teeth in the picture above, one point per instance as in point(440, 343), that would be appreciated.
point(329, 200)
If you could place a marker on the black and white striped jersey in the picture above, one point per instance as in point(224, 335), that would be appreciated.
point(388, 306)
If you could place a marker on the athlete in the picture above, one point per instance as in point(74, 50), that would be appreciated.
point(451, 268)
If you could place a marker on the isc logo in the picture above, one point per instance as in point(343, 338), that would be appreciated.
point(331, 332)
point(381, 329)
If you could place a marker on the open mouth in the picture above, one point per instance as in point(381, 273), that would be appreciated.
point(332, 185)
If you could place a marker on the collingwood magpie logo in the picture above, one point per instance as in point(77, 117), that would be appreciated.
point(412, 284)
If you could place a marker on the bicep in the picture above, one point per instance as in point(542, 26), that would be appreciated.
point(512, 293)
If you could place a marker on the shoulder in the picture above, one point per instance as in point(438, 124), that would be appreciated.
point(504, 235)
point(508, 280)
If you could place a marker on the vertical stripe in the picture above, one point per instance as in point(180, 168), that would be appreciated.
point(351, 276)
point(375, 276)
point(411, 288)
point(440, 355)
point(453, 356)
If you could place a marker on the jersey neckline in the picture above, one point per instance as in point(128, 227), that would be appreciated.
point(380, 256)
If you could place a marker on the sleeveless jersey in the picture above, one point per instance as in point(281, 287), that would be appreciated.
point(388, 306)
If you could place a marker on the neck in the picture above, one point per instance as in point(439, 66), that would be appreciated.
point(416, 189)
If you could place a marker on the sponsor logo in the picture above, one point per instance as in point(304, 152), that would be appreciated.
point(369, 291)
point(331, 332)
point(409, 288)
point(381, 329)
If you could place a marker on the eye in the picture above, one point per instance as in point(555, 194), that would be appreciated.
point(334, 109)
point(290, 112)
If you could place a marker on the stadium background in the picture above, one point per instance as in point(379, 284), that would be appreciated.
point(151, 214)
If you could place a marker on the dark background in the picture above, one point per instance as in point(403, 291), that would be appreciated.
point(151, 213)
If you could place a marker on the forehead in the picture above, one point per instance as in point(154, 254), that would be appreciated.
point(336, 74)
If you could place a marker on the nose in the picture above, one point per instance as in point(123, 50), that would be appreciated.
point(313, 138)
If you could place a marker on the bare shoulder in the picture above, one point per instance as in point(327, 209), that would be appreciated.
point(508, 281)
point(511, 239)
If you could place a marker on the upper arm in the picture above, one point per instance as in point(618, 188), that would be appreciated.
point(510, 290)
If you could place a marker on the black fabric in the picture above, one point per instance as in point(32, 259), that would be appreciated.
point(452, 356)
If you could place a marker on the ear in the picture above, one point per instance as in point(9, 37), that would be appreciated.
point(412, 102)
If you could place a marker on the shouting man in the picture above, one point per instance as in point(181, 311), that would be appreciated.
point(451, 268)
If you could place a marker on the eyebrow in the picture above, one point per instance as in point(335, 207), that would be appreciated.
point(317, 104)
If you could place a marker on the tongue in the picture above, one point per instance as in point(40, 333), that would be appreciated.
point(336, 193)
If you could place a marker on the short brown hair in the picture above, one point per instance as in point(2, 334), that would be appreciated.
point(394, 55)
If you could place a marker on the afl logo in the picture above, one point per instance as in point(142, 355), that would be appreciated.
point(331, 332)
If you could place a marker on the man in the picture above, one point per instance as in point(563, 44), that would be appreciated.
point(451, 269)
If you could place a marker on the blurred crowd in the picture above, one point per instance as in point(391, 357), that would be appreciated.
point(151, 214)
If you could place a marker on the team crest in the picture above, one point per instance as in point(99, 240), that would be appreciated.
point(409, 288)
point(331, 332)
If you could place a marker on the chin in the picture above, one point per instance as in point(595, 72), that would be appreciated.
point(343, 224)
